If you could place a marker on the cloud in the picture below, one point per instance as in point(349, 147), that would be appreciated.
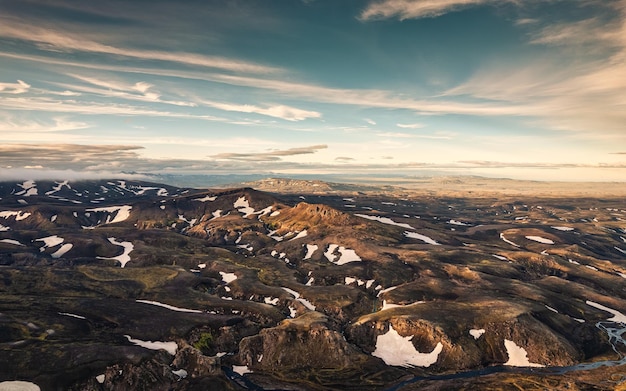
point(14, 88)
point(140, 91)
point(91, 108)
point(269, 156)
point(524, 21)
point(584, 95)
point(410, 126)
point(415, 9)
point(584, 32)
point(409, 135)
point(62, 156)
point(344, 159)
point(368, 98)
point(75, 161)
point(496, 164)
point(37, 173)
point(20, 125)
point(60, 93)
point(277, 111)
point(371, 98)
point(395, 134)
point(370, 121)
point(55, 40)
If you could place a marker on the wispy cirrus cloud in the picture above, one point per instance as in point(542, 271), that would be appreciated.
point(410, 135)
point(19, 87)
point(284, 112)
point(583, 32)
point(141, 91)
point(57, 40)
point(410, 126)
point(371, 98)
point(48, 104)
point(26, 125)
point(395, 135)
point(270, 155)
point(415, 9)
point(584, 95)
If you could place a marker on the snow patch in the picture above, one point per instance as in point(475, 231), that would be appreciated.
point(345, 255)
point(181, 373)
point(618, 317)
point(58, 187)
point(272, 301)
point(123, 258)
point(61, 251)
point(397, 350)
point(551, 309)
point(384, 220)
point(191, 222)
point(72, 315)
point(563, 228)
point(517, 356)
point(18, 385)
point(49, 241)
point(29, 189)
point(477, 333)
point(243, 206)
point(508, 241)
point(424, 238)
point(11, 241)
point(387, 306)
point(169, 307)
point(310, 249)
point(228, 277)
point(121, 213)
point(170, 347)
point(205, 199)
point(241, 369)
point(455, 222)
point(539, 239)
point(19, 215)
point(296, 295)
point(301, 234)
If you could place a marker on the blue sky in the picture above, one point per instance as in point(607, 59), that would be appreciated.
point(531, 89)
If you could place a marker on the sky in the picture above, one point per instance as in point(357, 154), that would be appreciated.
point(525, 89)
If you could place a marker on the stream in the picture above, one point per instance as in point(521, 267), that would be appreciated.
point(614, 330)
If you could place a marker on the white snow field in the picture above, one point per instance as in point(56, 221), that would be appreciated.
point(397, 350)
